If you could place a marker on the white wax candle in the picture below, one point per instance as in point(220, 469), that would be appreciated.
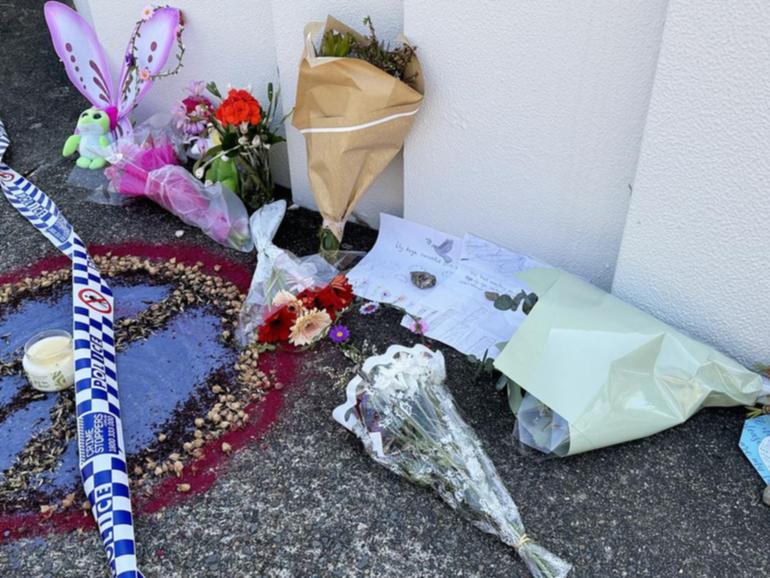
point(48, 361)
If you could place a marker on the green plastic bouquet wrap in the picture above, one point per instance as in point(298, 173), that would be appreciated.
point(598, 371)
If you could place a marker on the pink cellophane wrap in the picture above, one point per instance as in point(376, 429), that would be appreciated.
point(154, 172)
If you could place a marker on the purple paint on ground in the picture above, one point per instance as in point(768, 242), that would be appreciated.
point(9, 386)
point(55, 312)
point(156, 375)
point(19, 427)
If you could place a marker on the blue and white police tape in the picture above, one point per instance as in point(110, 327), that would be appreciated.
point(100, 432)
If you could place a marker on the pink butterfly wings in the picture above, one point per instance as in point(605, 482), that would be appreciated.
point(152, 49)
point(87, 66)
point(79, 49)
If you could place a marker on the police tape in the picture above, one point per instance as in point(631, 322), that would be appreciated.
point(100, 433)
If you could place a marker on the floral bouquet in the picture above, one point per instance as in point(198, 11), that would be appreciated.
point(145, 164)
point(192, 118)
point(291, 299)
point(356, 101)
point(303, 319)
point(232, 140)
point(408, 422)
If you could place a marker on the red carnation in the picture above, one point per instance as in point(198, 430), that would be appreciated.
point(343, 289)
point(276, 327)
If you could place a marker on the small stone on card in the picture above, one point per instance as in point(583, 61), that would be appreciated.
point(423, 279)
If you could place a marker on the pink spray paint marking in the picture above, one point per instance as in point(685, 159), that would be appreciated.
point(201, 473)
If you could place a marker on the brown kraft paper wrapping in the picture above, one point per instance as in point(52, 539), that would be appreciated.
point(355, 118)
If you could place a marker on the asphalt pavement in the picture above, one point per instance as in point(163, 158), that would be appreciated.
point(306, 501)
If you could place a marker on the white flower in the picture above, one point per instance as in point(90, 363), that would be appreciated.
point(199, 173)
point(243, 141)
point(283, 297)
point(309, 327)
point(147, 13)
point(256, 141)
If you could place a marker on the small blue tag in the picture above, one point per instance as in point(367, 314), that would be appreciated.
point(99, 435)
point(755, 443)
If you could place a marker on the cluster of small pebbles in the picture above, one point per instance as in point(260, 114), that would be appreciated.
point(227, 400)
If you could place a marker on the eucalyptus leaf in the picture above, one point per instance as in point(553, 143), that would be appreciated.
point(212, 88)
point(529, 303)
point(491, 295)
point(503, 302)
point(517, 300)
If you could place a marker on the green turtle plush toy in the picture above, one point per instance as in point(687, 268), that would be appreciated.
point(223, 170)
point(93, 136)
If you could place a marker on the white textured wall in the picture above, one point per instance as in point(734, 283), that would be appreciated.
point(531, 124)
point(697, 241)
point(228, 41)
point(289, 18)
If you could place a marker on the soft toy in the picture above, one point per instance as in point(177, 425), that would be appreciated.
point(87, 67)
point(223, 170)
point(92, 136)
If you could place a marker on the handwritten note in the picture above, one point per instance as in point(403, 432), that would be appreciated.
point(456, 310)
point(403, 247)
point(461, 315)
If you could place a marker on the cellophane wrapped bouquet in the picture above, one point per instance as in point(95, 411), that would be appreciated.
point(231, 136)
point(292, 300)
point(145, 164)
point(357, 97)
point(407, 420)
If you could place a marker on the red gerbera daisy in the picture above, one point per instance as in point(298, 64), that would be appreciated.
point(277, 325)
point(343, 289)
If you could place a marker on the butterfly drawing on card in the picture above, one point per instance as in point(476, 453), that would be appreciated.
point(87, 67)
point(442, 250)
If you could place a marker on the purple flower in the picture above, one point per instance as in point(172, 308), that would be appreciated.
point(418, 326)
point(369, 308)
point(130, 60)
point(339, 333)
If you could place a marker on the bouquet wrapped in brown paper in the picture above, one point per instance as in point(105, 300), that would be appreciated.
point(356, 101)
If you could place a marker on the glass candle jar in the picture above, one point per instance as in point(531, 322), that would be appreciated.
point(48, 360)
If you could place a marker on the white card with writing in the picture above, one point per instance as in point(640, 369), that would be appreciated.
point(404, 247)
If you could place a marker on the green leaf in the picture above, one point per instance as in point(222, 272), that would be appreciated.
point(491, 295)
point(503, 302)
point(212, 88)
point(210, 153)
point(517, 300)
point(229, 140)
point(529, 303)
point(515, 397)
